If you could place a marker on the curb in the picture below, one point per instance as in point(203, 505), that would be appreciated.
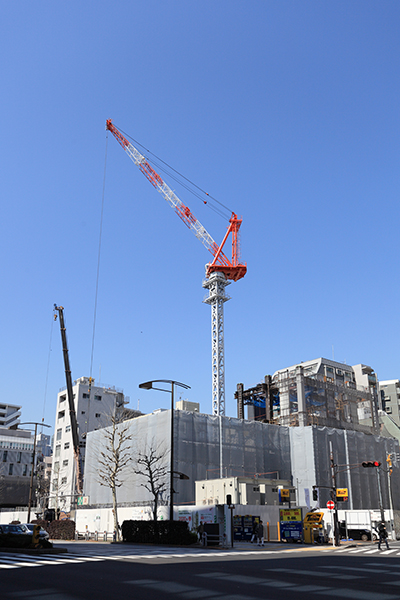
point(34, 550)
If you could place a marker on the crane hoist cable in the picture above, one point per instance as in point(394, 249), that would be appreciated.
point(47, 371)
point(97, 284)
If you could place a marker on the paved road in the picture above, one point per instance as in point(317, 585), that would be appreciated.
point(108, 571)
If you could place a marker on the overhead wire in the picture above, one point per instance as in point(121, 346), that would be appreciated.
point(183, 177)
point(97, 282)
point(47, 370)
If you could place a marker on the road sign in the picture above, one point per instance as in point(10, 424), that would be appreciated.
point(342, 494)
point(330, 505)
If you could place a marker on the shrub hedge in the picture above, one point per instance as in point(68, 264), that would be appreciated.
point(58, 530)
point(61, 530)
point(162, 532)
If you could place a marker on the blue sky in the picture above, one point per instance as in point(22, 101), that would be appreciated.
point(285, 111)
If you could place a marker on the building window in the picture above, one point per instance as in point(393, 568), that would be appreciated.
point(5, 455)
point(57, 452)
point(32, 458)
point(98, 415)
point(66, 446)
point(63, 481)
point(24, 472)
point(59, 433)
point(61, 414)
point(65, 463)
point(85, 396)
point(82, 412)
point(19, 457)
point(97, 397)
point(68, 428)
point(56, 467)
point(63, 398)
point(10, 469)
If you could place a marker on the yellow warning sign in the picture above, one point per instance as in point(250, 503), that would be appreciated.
point(290, 514)
point(314, 517)
point(342, 494)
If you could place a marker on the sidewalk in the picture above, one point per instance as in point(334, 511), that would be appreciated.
point(275, 545)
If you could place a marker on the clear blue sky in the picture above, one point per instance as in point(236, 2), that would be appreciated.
point(286, 111)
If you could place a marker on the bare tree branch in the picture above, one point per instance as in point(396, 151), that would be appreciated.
point(152, 467)
point(114, 458)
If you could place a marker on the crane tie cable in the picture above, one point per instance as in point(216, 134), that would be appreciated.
point(180, 175)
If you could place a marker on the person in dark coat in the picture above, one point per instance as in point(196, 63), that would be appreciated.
point(382, 535)
point(260, 533)
point(254, 532)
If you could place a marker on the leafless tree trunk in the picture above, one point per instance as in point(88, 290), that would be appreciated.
point(152, 466)
point(114, 457)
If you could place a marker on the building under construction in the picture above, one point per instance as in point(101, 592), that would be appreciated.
point(317, 392)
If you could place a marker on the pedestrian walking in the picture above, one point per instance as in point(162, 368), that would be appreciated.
point(254, 532)
point(200, 531)
point(260, 534)
point(383, 535)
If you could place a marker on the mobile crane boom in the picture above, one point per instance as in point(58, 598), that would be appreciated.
point(72, 412)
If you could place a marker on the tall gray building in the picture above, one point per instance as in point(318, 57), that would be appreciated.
point(16, 451)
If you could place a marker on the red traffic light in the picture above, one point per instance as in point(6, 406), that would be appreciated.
point(370, 464)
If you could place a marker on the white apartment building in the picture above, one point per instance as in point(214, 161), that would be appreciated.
point(391, 398)
point(186, 405)
point(9, 415)
point(92, 413)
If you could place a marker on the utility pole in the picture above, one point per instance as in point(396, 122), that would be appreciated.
point(380, 494)
point(336, 536)
point(33, 465)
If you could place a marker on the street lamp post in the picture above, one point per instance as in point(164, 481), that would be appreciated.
point(33, 464)
point(148, 385)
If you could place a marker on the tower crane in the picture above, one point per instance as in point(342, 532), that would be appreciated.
point(71, 404)
point(219, 271)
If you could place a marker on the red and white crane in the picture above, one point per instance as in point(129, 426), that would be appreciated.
point(219, 271)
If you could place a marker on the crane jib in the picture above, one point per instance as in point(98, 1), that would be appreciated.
point(233, 269)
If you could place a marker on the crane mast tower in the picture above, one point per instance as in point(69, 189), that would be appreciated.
point(219, 271)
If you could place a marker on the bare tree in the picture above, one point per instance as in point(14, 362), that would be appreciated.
point(113, 459)
point(43, 484)
point(151, 465)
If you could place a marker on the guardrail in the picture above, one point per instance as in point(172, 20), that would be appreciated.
point(96, 536)
point(209, 539)
point(107, 536)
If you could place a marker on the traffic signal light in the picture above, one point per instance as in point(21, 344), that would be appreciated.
point(315, 495)
point(371, 464)
point(389, 462)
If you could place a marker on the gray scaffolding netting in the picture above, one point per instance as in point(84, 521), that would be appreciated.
point(247, 447)
point(311, 465)
point(206, 447)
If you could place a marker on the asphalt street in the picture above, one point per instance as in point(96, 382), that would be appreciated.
point(104, 571)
